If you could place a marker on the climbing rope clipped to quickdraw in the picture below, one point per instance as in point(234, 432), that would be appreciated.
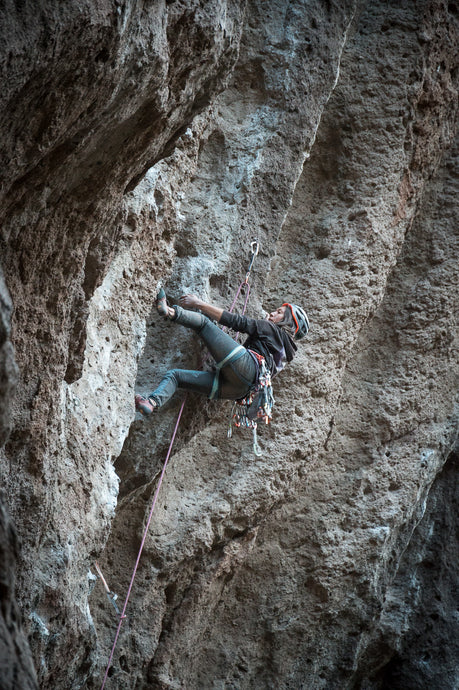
point(238, 350)
point(254, 247)
point(258, 404)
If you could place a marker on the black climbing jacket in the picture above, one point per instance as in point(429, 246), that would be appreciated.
point(266, 338)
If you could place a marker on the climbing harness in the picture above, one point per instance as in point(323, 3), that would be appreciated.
point(112, 597)
point(233, 356)
point(254, 247)
point(256, 406)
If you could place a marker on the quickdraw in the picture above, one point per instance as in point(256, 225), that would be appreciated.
point(254, 249)
point(257, 405)
point(112, 597)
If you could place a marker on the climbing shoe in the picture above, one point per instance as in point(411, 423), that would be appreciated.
point(161, 303)
point(144, 405)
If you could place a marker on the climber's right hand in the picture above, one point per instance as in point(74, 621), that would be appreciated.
point(190, 301)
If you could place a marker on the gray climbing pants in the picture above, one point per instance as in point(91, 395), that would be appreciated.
point(234, 379)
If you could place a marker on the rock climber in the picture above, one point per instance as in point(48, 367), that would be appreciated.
point(237, 366)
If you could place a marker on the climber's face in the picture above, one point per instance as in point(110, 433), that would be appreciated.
point(277, 315)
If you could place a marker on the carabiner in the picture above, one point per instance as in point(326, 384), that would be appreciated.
point(257, 247)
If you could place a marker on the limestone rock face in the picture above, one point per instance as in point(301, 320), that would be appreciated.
point(152, 143)
point(16, 665)
point(93, 97)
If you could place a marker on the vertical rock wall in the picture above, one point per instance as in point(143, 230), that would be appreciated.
point(162, 138)
point(93, 96)
point(16, 665)
point(422, 596)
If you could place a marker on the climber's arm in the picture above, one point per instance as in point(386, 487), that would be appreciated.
point(193, 302)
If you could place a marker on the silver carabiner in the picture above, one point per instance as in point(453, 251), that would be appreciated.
point(257, 247)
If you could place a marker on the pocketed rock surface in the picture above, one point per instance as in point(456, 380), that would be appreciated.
point(149, 144)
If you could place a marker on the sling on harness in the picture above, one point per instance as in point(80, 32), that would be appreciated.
point(256, 406)
point(233, 356)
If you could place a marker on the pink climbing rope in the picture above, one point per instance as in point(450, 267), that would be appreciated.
point(254, 247)
point(123, 612)
point(244, 282)
point(254, 250)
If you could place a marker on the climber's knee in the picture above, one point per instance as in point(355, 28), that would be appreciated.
point(190, 319)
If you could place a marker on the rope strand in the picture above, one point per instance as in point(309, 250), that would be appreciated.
point(123, 613)
point(254, 247)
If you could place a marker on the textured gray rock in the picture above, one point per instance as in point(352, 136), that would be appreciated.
point(161, 139)
point(8, 369)
point(423, 596)
point(16, 665)
point(104, 91)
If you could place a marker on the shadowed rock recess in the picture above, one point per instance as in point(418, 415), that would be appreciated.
point(148, 143)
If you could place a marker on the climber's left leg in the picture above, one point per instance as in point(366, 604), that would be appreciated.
point(185, 379)
point(219, 343)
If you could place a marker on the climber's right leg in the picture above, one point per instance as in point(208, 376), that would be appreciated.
point(219, 343)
